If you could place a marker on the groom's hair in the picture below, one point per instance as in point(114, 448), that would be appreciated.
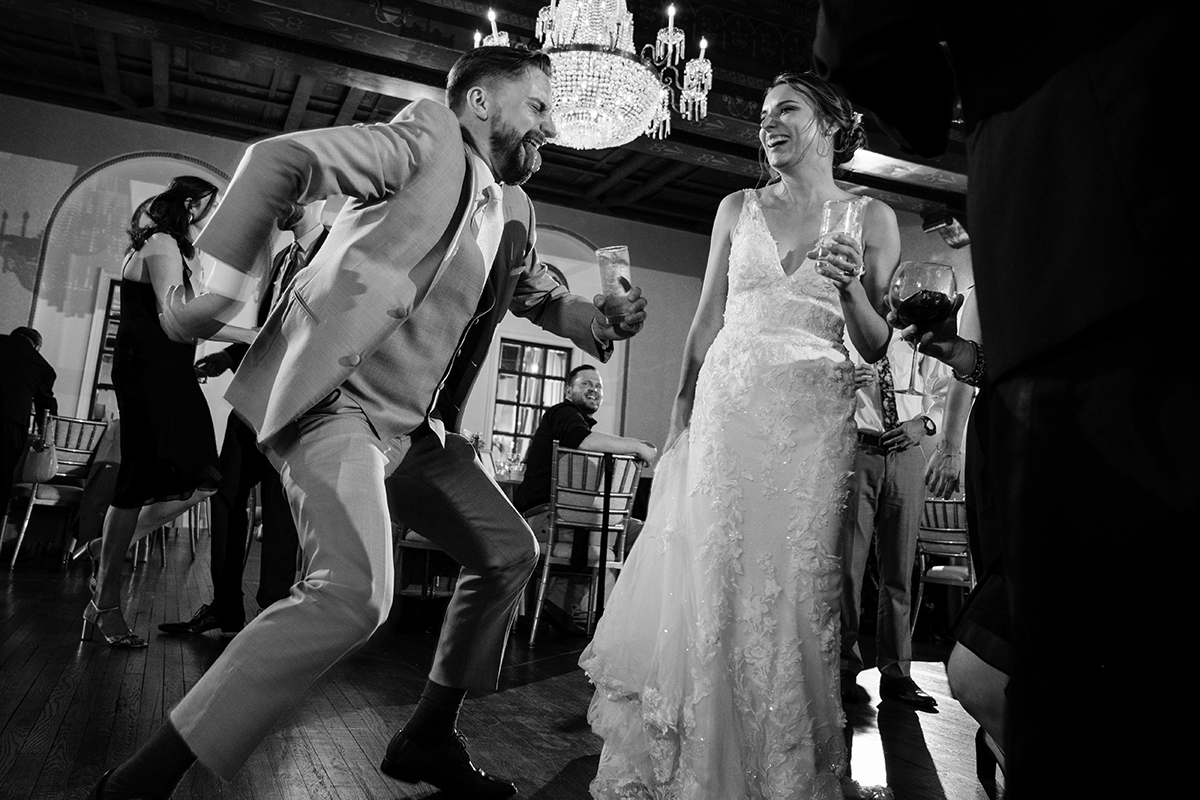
point(487, 65)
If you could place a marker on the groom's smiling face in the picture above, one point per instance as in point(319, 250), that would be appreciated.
point(520, 122)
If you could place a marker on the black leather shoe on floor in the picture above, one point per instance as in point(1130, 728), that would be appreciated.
point(905, 690)
point(851, 691)
point(447, 766)
point(203, 620)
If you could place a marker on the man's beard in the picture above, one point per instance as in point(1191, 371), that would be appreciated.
point(515, 161)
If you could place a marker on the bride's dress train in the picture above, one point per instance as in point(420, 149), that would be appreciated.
point(716, 662)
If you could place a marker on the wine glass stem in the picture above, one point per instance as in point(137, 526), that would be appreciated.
point(912, 373)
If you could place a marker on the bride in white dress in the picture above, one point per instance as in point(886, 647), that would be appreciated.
point(716, 662)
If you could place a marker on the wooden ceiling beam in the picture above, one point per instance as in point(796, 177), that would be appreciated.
point(350, 104)
point(160, 75)
point(651, 186)
point(304, 90)
point(630, 165)
point(407, 74)
point(110, 71)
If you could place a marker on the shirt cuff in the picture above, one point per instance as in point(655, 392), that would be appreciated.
point(604, 347)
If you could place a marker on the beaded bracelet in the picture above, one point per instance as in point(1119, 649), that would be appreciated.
point(976, 375)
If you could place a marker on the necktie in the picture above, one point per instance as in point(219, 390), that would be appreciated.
point(489, 223)
point(292, 262)
point(292, 265)
point(887, 400)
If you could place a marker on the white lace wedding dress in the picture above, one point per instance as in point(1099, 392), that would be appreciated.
point(716, 661)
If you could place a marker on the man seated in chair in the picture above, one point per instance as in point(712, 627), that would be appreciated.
point(570, 423)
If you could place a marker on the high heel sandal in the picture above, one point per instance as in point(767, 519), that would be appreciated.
point(93, 560)
point(985, 765)
point(91, 623)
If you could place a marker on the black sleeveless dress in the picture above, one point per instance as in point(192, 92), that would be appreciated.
point(168, 447)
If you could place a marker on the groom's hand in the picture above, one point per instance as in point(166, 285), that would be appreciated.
point(620, 317)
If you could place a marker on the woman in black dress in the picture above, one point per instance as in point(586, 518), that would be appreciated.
point(168, 447)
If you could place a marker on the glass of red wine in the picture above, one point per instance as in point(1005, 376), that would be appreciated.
point(922, 293)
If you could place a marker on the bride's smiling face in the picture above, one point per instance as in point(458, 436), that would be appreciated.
point(788, 128)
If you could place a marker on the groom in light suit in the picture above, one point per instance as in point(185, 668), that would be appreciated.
point(361, 371)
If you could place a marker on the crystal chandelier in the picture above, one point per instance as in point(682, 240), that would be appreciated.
point(605, 95)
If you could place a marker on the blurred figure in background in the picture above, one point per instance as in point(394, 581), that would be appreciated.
point(168, 449)
point(243, 466)
point(26, 385)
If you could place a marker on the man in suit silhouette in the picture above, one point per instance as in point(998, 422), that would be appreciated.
point(243, 466)
point(26, 383)
point(362, 371)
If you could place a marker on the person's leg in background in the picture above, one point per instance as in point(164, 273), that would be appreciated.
point(241, 466)
point(897, 516)
point(280, 543)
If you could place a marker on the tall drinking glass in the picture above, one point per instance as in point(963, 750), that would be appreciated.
point(614, 279)
point(841, 216)
point(922, 294)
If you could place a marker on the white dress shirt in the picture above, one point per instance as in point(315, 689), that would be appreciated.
point(932, 377)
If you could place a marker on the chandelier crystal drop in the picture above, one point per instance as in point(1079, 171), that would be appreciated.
point(605, 95)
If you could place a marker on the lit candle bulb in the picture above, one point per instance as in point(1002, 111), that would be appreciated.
point(703, 46)
point(492, 19)
point(671, 17)
point(478, 38)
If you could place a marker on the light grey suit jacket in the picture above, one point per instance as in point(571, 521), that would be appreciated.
point(388, 253)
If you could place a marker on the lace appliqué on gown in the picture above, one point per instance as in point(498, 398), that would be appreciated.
point(716, 663)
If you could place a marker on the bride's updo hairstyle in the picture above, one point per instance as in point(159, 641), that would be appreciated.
point(833, 112)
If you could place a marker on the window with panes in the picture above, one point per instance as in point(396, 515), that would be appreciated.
point(532, 377)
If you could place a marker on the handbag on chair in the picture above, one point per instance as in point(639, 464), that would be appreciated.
point(40, 462)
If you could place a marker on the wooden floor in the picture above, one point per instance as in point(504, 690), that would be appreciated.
point(70, 709)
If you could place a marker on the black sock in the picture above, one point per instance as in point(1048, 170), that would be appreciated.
point(436, 715)
point(154, 770)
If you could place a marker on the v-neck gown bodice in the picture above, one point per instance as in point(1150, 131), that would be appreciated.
point(716, 661)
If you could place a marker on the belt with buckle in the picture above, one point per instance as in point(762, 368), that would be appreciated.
point(873, 440)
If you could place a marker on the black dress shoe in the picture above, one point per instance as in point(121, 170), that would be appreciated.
point(203, 620)
point(447, 766)
point(851, 691)
point(906, 691)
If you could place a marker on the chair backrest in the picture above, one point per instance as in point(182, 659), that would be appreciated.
point(75, 441)
point(943, 527)
point(577, 494)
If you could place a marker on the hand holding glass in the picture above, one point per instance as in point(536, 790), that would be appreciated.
point(614, 279)
point(841, 216)
point(922, 293)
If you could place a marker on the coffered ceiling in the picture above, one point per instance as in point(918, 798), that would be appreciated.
point(247, 69)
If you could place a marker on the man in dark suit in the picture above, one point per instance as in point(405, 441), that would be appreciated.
point(361, 372)
point(243, 466)
point(1068, 109)
point(26, 384)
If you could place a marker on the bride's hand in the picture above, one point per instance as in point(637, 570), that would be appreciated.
point(842, 263)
